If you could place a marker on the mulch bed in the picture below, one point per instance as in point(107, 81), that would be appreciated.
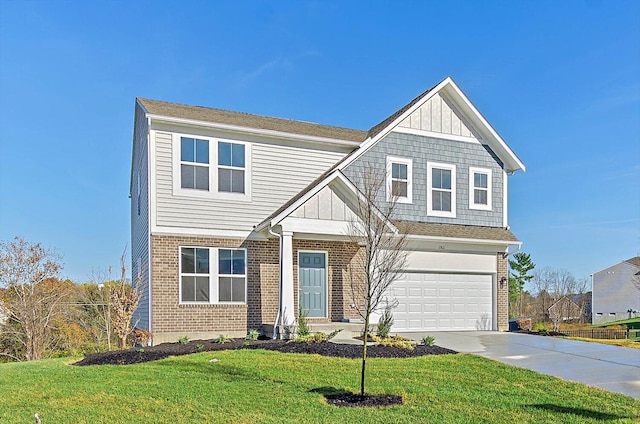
point(164, 350)
point(340, 399)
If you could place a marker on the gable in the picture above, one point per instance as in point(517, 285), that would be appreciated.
point(437, 115)
point(327, 204)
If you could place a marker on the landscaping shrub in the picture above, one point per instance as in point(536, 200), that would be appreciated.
point(394, 341)
point(385, 323)
point(428, 340)
point(303, 325)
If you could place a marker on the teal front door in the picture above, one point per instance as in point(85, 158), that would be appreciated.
point(312, 292)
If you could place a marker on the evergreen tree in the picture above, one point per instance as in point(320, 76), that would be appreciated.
point(520, 265)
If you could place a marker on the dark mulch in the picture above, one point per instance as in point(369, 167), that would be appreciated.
point(355, 400)
point(164, 350)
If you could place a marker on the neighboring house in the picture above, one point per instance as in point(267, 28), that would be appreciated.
point(239, 220)
point(572, 307)
point(616, 292)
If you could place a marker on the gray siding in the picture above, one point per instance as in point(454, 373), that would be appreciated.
point(427, 149)
point(140, 222)
point(327, 204)
point(614, 293)
point(278, 172)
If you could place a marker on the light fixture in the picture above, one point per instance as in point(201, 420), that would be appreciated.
point(502, 281)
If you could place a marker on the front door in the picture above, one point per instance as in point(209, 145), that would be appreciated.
point(312, 279)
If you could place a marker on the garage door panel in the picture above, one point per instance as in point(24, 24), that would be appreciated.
point(432, 302)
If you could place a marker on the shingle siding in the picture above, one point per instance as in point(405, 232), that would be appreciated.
point(427, 149)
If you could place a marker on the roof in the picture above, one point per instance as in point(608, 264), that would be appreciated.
point(384, 124)
point(634, 261)
point(247, 120)
point(456, 231)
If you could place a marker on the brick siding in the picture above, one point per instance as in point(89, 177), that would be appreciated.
point(503, 293)
point(170, 319)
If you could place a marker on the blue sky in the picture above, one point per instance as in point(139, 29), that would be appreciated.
point(560, 82)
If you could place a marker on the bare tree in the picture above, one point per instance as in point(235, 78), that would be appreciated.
point(382, 256)
point(34, 298)
point(123, 300)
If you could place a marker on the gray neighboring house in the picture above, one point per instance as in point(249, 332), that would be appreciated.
point(615, 296)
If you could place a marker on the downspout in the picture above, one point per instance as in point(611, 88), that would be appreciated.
point(275, 324)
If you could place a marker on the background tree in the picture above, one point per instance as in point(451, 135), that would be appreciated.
point(520, 265)
point(382, 256)
point(34, 299)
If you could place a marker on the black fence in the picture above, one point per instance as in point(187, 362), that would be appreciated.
point(602, 333)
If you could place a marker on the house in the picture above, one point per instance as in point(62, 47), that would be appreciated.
point(616, 292)
point(239, 220)
point(572, 307)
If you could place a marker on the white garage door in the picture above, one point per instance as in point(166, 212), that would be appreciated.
point(442, 302)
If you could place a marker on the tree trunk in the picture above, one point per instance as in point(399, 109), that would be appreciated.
point(364, 354)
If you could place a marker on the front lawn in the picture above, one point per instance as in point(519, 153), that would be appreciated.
point(247, 386)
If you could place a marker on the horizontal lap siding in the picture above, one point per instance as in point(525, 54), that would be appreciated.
point(278, 173)
point(140, 223)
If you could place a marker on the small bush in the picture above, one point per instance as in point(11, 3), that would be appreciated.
point(303, 325)
point(385, 323)
point(540, 327)
point(312, 338)
point(183, 340)
point(394, 341)
point(199, 347)
point(142, 337)
point(222, 339)
point(428, 340)
point(252, 335)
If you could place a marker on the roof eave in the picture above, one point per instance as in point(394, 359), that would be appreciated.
point(418, 237)
point(255, 131)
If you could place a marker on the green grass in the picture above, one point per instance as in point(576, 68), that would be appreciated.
point(248, 386)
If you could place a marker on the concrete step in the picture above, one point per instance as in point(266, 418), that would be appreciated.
point(349, 329)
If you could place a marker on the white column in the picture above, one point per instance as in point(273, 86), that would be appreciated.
point(287, 309)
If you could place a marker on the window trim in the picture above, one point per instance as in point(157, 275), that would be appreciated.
point(389, 180)
point(213, 192)
point(452, 168)
point(472, 204)
point(213, 275)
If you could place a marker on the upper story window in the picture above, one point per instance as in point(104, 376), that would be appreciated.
point(231, 166)
point(441, 190)
point(399, 179)
point(225, 282)
point(211, 168)
point(480, 188)
point(194, 163)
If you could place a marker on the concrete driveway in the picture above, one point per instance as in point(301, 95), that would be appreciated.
point(613, 368)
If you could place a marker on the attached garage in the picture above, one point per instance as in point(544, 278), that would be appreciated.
point(443, 302)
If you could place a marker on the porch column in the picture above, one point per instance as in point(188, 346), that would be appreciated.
point(287, 308)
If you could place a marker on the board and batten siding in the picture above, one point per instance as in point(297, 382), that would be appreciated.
point(278, 173)
point(437, 115)
point(140, 221)
point(422, 150)
point(326, 204)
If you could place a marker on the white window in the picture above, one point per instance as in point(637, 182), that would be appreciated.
point(399, 179)
point(211, 168)
point(441, 190)
point(213, 275)
point(231, 167)
point(480, 188)
point(194, 163)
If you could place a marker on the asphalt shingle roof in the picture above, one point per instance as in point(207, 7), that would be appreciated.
point(248, 120)
point(455, 231)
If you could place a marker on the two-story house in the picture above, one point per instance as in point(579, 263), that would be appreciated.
point(239, 220)
point(616, 292)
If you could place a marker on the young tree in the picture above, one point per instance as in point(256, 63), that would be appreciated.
point(382, 256)
point(123, 299)
point(521, 265)
point(34, 298)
